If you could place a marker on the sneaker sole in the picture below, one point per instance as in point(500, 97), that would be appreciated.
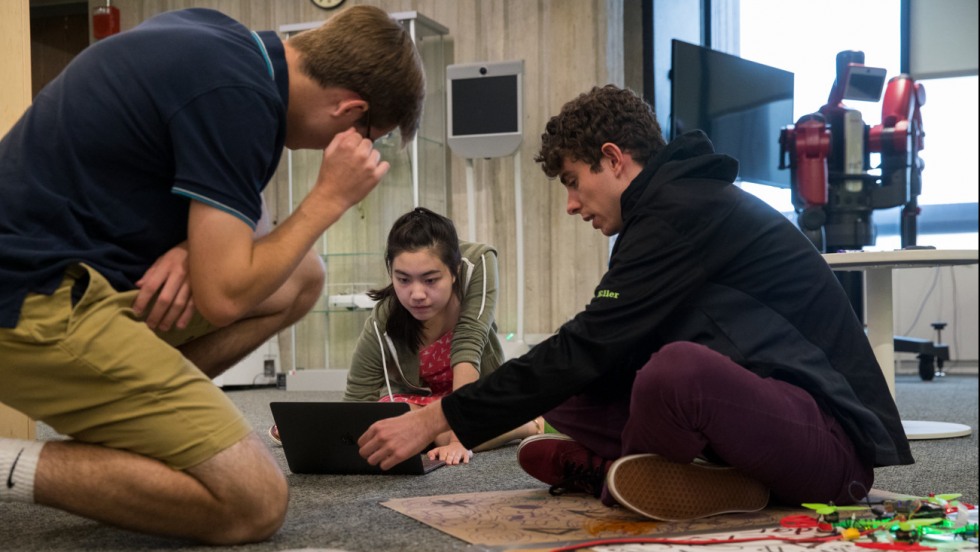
point(540, 436)
point(654, 487)
point(272, 436)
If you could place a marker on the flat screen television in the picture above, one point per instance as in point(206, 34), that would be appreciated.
point(740, 104)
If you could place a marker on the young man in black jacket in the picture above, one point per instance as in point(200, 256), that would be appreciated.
point(719, 361)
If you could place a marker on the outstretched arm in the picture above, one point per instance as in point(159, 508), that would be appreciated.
point(390, 441)
point(453, 452)
point(475, 327)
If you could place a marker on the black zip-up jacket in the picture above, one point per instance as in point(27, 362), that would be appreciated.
point(700, 260)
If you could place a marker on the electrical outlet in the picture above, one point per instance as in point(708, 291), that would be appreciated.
point(269, 368)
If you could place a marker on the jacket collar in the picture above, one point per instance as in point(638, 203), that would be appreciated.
point(690, 155)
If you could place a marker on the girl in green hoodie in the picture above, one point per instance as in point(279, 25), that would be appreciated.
point(432, 330)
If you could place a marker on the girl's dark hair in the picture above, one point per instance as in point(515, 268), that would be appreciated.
point(416, 230)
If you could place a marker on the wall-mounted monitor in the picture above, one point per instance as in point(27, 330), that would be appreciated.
point(485, 108)
point(740, 104)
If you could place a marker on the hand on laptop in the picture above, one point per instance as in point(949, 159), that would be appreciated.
point(390, 441)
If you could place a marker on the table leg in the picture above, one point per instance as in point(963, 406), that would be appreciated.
point(880, 320)
point(881, 334)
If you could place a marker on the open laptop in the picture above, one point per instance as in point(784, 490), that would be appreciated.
point(321, 437)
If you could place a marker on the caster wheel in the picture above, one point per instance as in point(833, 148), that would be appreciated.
point(927, 370)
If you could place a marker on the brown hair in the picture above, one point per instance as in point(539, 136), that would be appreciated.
point(365, 51)
point(604, 114)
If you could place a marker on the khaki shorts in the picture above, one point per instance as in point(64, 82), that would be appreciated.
point(95, 372)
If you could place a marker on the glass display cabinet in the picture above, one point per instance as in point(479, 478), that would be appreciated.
point(353, 249)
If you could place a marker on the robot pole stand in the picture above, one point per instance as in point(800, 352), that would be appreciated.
point(519, 238)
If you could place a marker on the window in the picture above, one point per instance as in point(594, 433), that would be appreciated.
point(950, 126)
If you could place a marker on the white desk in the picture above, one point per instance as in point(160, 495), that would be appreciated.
point(877, 267)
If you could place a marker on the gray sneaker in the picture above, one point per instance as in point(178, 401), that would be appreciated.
point(657, 488)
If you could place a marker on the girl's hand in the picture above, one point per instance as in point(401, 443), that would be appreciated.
point(452, 454)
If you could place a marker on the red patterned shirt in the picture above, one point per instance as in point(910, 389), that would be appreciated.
point(435, 372)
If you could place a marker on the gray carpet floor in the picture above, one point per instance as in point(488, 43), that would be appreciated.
point(343, 512)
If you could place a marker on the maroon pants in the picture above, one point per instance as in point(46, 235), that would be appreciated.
point(689, 401)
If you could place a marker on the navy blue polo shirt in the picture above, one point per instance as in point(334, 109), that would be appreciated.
point(188, 106)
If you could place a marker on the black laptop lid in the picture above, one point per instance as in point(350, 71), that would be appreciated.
point(321, 437)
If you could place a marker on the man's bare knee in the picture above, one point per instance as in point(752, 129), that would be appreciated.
point(251, 493)
point(298, 295)
point(310, 277)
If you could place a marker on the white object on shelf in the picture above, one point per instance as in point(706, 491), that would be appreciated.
point(351, 301)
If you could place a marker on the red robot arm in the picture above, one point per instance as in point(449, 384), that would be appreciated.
point(901, 118)
point(812, 149)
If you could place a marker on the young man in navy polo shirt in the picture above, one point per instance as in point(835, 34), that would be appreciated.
point(135, 261)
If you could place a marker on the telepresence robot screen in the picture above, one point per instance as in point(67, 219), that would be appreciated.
point(485, 105)
point(864, 84)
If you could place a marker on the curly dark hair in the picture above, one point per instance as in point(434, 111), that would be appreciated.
point(604, 114)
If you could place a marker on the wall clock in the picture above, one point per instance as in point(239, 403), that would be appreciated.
point(327, 4)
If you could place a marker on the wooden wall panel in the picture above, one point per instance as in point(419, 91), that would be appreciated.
point(567, 46)
point(15, 61)
point(15, 96)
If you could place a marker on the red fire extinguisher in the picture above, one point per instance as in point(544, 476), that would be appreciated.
point(105, 20)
